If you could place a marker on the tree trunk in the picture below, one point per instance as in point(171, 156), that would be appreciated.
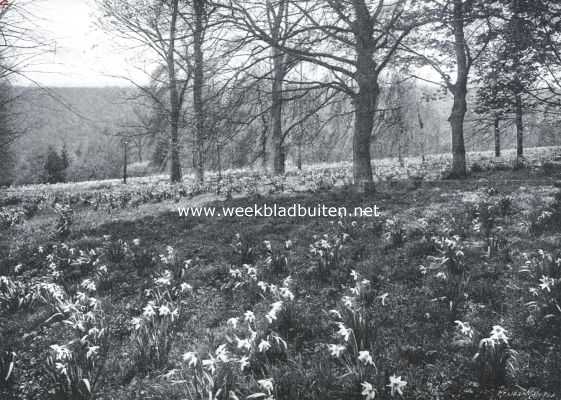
point(366, 100)
point(139, 149)
point(459, 90)
point(458, 146)
point(175, 166)
point(265, 156)
point(518, 106)
point(299, 162)
point(365, 106)
point(497, 132)
point(198, 82)
point(276, 142)
point(219, 160)
point(519, 127)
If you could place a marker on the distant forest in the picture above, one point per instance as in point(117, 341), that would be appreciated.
point(90, 125)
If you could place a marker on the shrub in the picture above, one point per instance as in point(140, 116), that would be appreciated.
point(495, 360)
point(326, 255)
point(55, 166)
point(154, 330)
point(64, 220)
point(77, 369)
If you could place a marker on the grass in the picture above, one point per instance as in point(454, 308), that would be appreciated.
point(403, 317)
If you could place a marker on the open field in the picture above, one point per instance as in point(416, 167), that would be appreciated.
point(452, 293)
point(22, 202)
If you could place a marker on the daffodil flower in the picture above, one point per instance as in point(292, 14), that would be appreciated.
point(92, 350)
point(191, 358)
point(264, 346)
point(368, 391)
point(244, 362)
point(396, 385)
point(266, 384)
point(546, 283)
point(233, 322)
point(243, 343)
point(344, 331)
point(336, 349)
point(365, 357)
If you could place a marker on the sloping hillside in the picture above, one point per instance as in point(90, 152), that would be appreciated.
point(71, 115)
point(84, 119)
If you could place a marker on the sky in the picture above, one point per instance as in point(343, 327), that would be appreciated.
point(78, 53)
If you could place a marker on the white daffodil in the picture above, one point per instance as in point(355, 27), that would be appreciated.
point(368, 391)
point(149, 310)
point(252, 272)
point(546, 283)
point(347, 301)
point(164, 310)
point(235, 273)
point(136, 323)
point(243, 344)
point(365, 357)
point(249, 317)
point(233, 322)
point(185, 287)
point(266, 384)
point(244, 362)
point(222, 353)
point(286, 293)
point(210, 364)
point(252, 334)
point(264, 346)
point(191, 359)
point(60, 367)
point(164, 279)
point(336, 349)
point(499, 334)
point(396, 385)
point(272, 314)
point(89, 285)
point(92, 350)
point(81, 297)
point(61, 352)
point(344, 331)
point(263, 286)
point(465, 329)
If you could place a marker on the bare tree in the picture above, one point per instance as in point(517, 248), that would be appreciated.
point(455, 40)
point(353, 40)
point(159, 27)
point(275, 20)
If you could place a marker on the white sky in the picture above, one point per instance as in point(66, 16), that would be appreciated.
point(79, 54)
